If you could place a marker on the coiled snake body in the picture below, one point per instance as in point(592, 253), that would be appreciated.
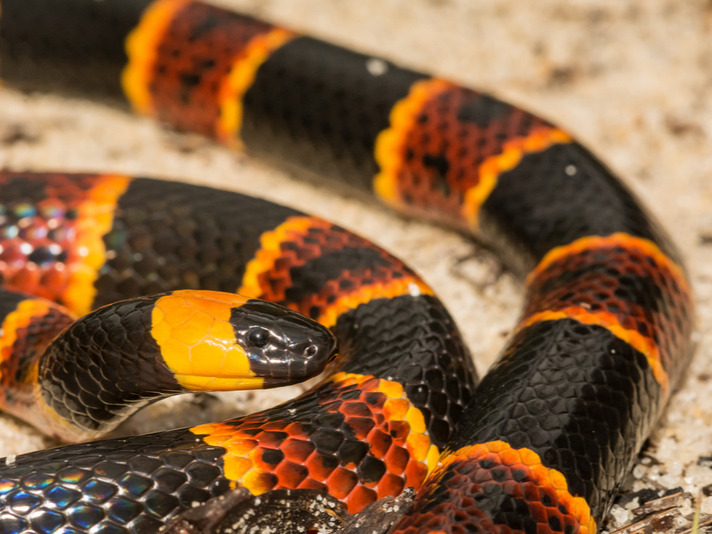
point(539, 446)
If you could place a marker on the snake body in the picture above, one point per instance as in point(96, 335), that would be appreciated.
point(542, 443)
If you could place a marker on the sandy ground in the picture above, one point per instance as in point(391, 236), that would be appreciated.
point(631, 79)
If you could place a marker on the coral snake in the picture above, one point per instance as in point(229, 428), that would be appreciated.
point(542, 443)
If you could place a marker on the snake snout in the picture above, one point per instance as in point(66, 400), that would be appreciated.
point(299, 350)
point(313, 354)
point(283, 346)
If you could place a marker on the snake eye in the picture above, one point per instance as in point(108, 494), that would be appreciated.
point(311, 350)
point(258, 337)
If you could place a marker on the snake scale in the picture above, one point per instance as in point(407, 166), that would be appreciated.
point(539, 446)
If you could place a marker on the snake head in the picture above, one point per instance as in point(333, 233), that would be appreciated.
point(214, 341)
point(282, 346)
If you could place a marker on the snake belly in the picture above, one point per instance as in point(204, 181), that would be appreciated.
point(603, 340)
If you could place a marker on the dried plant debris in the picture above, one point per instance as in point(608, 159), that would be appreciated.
point(379, 517)
point(204, 518)
point(661, 511)
point(287, 512)
point(648, 499)
point(275, 512)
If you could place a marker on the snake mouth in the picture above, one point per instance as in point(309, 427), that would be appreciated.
point(296, 363)
point(194, 382)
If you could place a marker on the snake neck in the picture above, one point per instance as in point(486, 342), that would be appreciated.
point(103, 368)
point(77, 382)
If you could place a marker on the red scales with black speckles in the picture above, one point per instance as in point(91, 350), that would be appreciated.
point(188, 75)
point(356, 437)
